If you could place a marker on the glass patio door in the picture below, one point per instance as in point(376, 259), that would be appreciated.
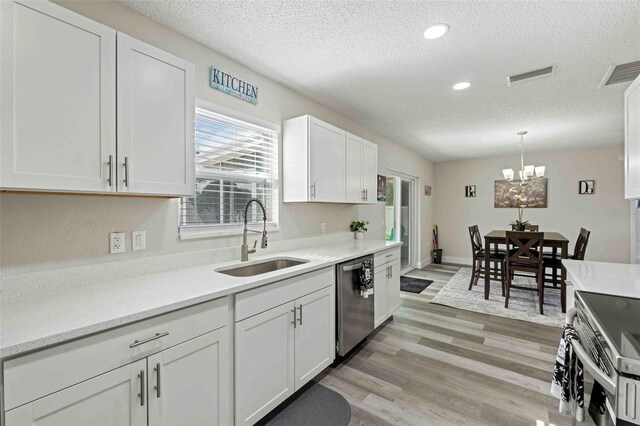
point(399, 217)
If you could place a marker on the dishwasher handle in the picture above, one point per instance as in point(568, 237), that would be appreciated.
point(587, 361)
point(351, 267)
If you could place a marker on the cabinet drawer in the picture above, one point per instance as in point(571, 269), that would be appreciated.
point(260, 299)
point(386, 256)
point(41, 373)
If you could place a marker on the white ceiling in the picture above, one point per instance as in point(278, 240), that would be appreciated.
point(368, 61)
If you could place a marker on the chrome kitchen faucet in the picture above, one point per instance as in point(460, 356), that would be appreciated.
point(245, 250)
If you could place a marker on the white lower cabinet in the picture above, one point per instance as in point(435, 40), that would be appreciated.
point(169, 370)
point(314, 335)
point(188, 384)
point(111, 399)
point(264, 354)
point(386, 287)
point(279, 350)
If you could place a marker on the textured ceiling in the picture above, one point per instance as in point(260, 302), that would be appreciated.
point(368, 61)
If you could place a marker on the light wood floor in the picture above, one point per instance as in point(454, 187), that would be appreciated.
point(435, 365)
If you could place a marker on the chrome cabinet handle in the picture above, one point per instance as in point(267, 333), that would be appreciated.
point(388, 255)
point(148, 339)
point(363, 197)
point(141, 394)
point(294, 318)
point(110, 178)
point(313, 190)
point(157, 386)
point(366, 195)
point(390, 271)
point(126, 171)
point(300, 318)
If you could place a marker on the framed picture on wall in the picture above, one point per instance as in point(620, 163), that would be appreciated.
point(587, 187)
point(382, 188)
point(470, 191)
point(512, 194)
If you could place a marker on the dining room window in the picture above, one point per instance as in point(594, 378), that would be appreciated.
point(234, 161)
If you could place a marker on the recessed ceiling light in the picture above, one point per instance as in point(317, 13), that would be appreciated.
point(436, 31)
point(461, 86)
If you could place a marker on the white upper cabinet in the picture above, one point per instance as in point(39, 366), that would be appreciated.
point(355, 146)
point(322, 163)
point(155, 120)
point(361, 170)
point(58, 108)
point(370, 171)
point(632, 140)
point(59, 114)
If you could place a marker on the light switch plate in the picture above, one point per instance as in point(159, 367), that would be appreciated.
point(116, 242)
point(139, 240)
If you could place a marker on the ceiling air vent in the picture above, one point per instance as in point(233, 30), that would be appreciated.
point(529, 75)
point(621, 73)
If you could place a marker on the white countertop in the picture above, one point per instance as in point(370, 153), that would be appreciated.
point(620, 279)
point(53, 317)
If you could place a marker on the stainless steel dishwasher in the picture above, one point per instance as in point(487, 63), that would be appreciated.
point(355, 313)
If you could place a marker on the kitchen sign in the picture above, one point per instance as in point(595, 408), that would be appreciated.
point(233, 85)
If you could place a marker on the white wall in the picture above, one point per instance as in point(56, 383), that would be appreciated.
point(605, 214)
point(41, 232)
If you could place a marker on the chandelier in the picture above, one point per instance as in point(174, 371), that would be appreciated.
point(526, 172)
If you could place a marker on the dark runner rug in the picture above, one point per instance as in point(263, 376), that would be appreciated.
point(414, 285)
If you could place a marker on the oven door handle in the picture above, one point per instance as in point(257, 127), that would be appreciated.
point(587, 362)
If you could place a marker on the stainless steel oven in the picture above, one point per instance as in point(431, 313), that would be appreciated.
point(609, 347)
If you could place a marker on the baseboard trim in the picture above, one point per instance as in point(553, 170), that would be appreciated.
point(424, 262)
point(457, 260)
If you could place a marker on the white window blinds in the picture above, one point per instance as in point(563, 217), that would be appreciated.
point(235, 161)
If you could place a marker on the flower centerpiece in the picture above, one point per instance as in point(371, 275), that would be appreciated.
point(359, 227)
point(519, 224)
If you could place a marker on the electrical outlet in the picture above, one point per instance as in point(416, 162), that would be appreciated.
point(116, 242)
point(323, 227)
point(139, 240)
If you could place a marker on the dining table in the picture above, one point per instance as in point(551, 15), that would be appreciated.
point(498, 237)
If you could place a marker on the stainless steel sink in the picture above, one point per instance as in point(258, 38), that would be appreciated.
point(260, 267)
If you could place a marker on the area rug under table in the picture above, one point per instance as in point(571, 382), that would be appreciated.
point(523, 304)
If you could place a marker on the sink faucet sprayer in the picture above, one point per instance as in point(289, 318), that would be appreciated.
point(245, 250)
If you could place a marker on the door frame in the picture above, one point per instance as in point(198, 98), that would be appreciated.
point(414, 214)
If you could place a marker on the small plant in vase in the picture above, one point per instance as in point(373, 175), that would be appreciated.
point(519, 224)
point(359, 227)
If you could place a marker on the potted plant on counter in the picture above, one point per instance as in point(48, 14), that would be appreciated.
point(519, 224)
point(359, 227)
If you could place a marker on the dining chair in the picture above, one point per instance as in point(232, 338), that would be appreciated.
point(530, 228)
point(525, 255)
point(497, 258)
point(553, 261)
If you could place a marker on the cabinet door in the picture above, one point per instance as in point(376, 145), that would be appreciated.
point(58, 116)
point(354, 188)
point(380, 277)
point(632, 140)
point(315, 341)
point(156, 111)
point(393, 288)
point(188, 384)
point(264, 366)
point(326, 162)
point(370, 171)
point(112, 399)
